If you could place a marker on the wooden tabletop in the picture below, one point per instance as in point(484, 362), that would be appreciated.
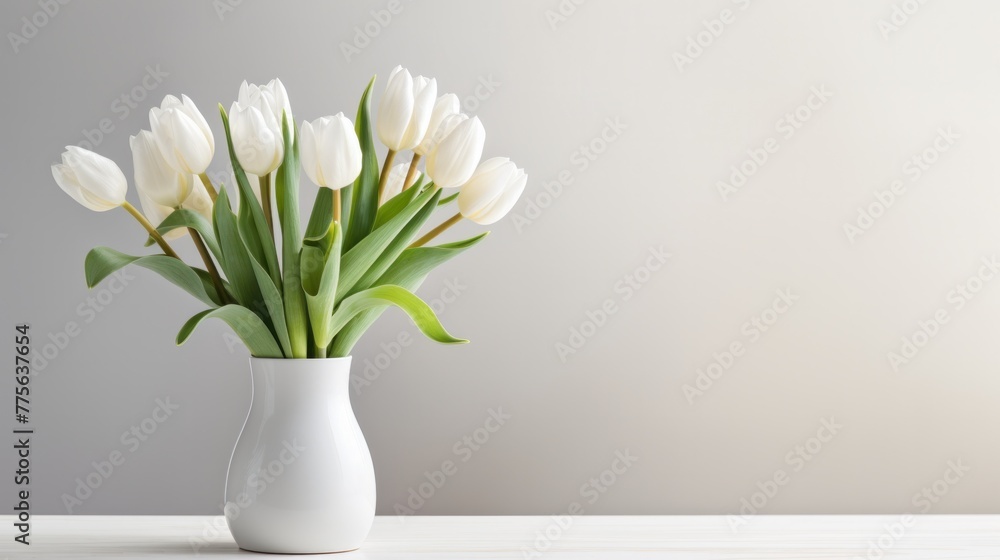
point(581, 538)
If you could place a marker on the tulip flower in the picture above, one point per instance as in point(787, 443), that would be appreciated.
point(91, 179)
point(455, 157)
point(155, 179)
point(255, 124)
point(405, 109)
point(492, 191)
point(445, 106)
point(330, 151)
point(98, 183)
point(182, 135)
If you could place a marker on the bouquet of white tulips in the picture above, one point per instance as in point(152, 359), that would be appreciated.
point(359, 252)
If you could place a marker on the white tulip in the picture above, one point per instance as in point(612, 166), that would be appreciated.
point(197, 201)
point(455, 157)
point(404, 111)
point(255, 125)
point(154, 177)
point(445, 106)
point(91, 179)
point(492, 191)
point(330, 151)
point(394, 185)
point(182, 135)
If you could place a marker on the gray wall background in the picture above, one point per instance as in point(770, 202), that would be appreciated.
point(572, 249)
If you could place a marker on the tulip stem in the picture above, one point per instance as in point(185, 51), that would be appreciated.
point(167, 250)
point(411, 172)
point(265, 199)
point(337, 208)
point(220, 288)
point(386, 167)
point(437, 231)
point(212, 193)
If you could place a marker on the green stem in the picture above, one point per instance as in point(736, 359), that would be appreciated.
point(208, 187)
point(337, 205)
point(386, 167)
point(411, 171)
point(437, 231)
point(220, 288)
point(265, 200)
point(167, 249)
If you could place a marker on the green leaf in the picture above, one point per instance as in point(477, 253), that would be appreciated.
point(101, 262)
point(395, 205)
point(244, 322)
point(286, 187)
point(320, 286)
point(254, 225)
point(321, 218)
point(382, 296)
point(185, 218)
point(364, 203)
point(358, 260)
point(447, 199)
point(275, 307)
point(236, 261)
point(408, 271)
point(397, 245)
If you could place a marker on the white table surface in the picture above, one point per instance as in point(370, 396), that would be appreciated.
point(589, 537)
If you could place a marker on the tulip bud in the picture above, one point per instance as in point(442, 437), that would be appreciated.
point(91, 179)
point(182, 135)
point(255, 123)
point(330, 151)
point(404, 111)
point(394, 185)
point(492, 191)
point(154, 178)
point(445, 106)
point(456, 156)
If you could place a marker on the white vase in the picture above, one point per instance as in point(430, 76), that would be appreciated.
point(301, 478)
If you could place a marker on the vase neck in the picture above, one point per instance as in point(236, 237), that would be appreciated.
point(277, 382)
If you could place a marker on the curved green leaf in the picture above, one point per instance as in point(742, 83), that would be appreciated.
point(248, 326)
point(185, 218)
point(274, 305)
point(382, 296)
point(320, 274)
point(409, 272)
point(364, 203)
point(286, 190)
point(236, 261)
point(101, 262)
point(358, 260)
